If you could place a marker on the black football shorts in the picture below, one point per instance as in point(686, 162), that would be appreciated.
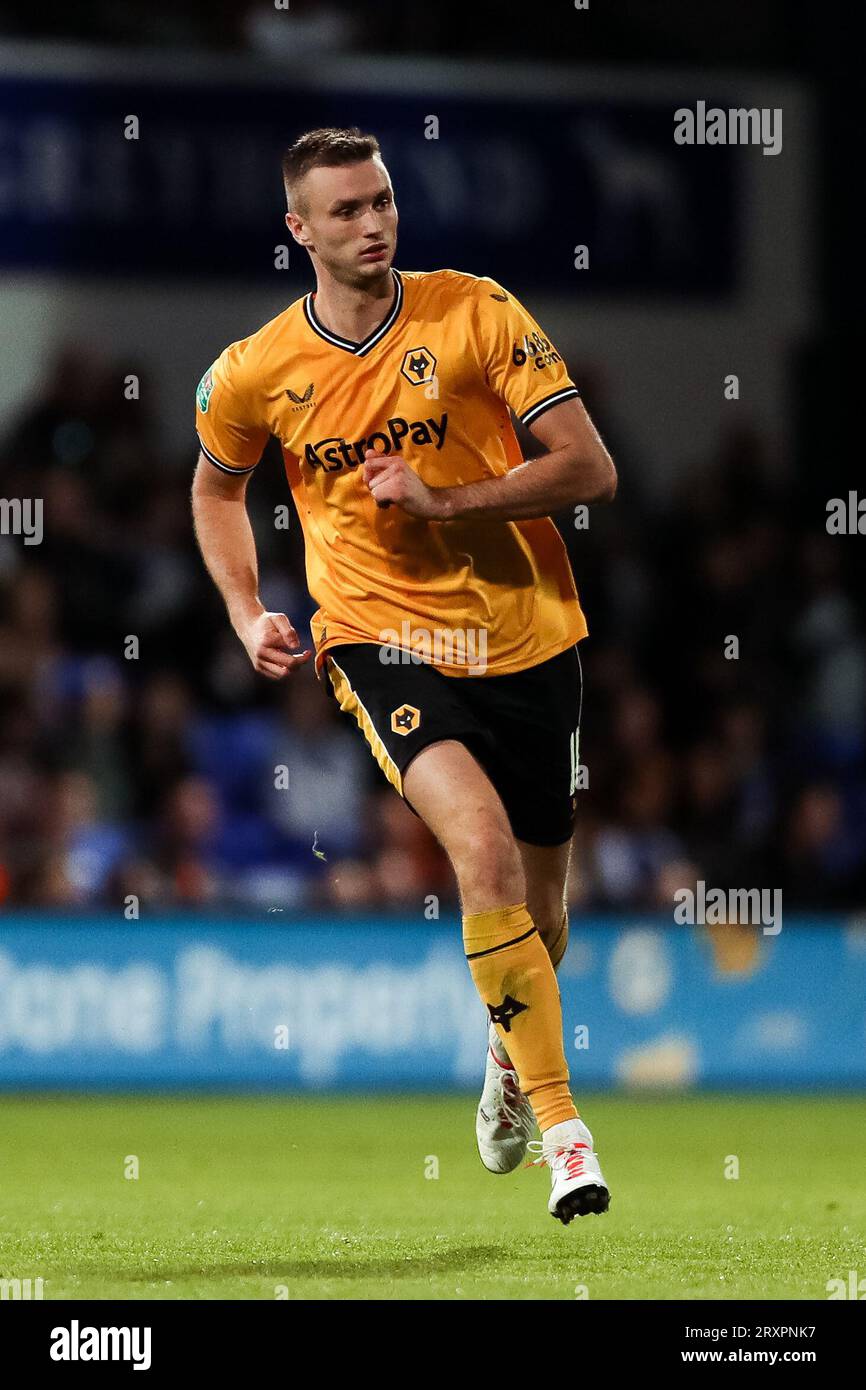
point(524, 728)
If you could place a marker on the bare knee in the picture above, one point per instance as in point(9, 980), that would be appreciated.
point(472, 825)
point(487, 865)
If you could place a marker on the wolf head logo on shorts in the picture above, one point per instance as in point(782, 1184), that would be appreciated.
point(405, 719)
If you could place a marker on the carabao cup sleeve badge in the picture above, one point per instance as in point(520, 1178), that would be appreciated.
point(204, 389)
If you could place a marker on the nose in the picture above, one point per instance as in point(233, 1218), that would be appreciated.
point(371, 227)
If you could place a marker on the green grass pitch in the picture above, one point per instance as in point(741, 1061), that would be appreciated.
point(258, 1198)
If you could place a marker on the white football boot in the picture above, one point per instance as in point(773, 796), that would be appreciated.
point(576, 1184)
point(504, 1122)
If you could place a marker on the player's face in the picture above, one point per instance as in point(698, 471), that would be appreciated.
point(348, 218)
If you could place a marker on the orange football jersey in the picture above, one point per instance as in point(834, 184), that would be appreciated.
point(434, 382)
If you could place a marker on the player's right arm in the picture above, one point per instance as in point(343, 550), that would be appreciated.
point(225, 538)
point(231, 444)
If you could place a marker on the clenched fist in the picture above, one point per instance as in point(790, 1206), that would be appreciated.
point(272, 645)
point(390, 479)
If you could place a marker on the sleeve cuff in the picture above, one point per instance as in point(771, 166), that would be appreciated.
point(565, 394)
point(226, 468)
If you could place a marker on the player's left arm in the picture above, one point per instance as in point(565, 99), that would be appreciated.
point(522, 367)
point(576, 468)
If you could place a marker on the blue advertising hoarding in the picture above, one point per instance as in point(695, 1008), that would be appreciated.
point(388, 1003)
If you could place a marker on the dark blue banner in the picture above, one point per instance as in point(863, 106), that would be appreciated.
point(510, 188)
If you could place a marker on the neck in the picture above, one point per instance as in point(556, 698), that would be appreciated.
point(352, 311)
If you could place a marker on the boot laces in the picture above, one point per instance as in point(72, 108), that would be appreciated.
point(512, 1109)
point(569, 1157)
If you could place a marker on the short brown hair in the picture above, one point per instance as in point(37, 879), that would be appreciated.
point(329, 146)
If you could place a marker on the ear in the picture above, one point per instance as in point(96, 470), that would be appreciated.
point(296, 227)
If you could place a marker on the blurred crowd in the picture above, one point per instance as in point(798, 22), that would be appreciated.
point(741, 31)
point(142, 760)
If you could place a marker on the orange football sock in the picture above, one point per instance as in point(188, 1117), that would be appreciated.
point(560, 945)
point(516, 981)
point(556, 952)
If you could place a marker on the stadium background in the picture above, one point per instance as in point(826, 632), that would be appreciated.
point(153, 778)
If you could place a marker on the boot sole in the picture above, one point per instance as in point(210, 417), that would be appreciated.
point(584, 1200)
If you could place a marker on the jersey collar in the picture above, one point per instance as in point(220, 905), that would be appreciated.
point(358, 349)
